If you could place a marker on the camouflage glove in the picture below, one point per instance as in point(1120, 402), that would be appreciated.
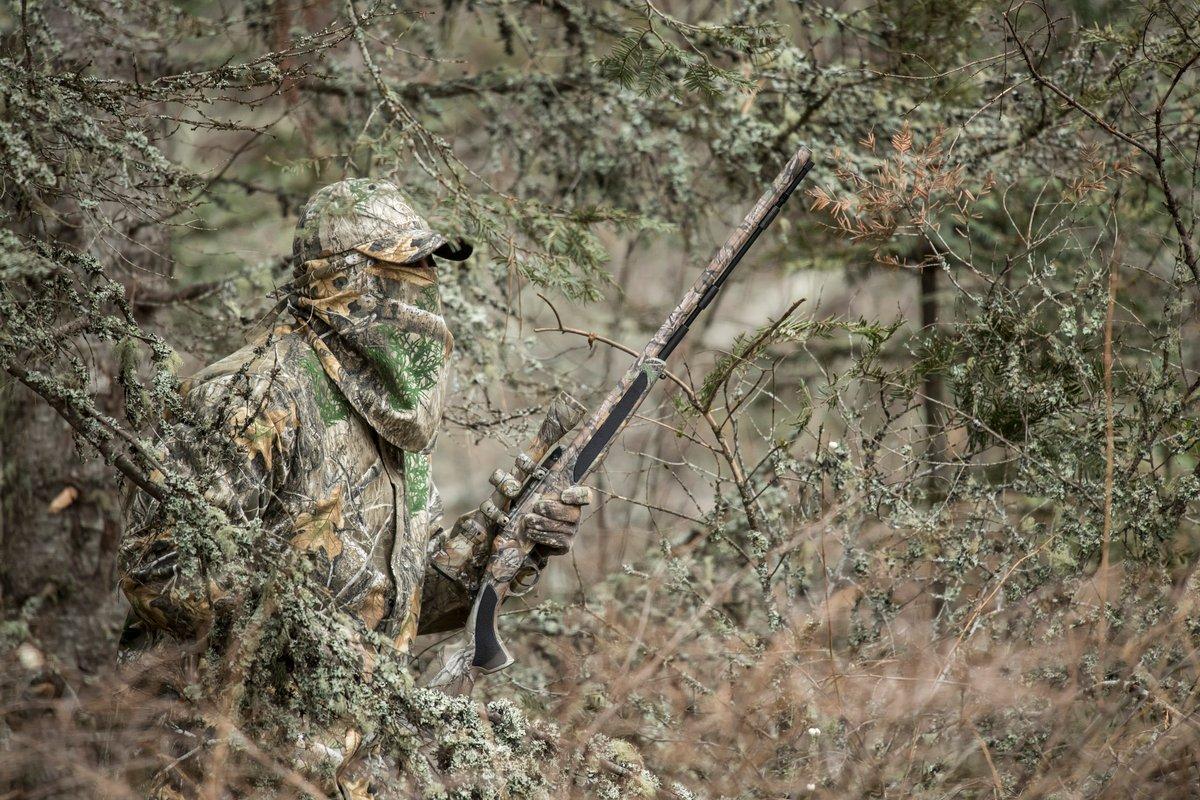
point(554, 521)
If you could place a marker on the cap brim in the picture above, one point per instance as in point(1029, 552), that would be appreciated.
point(412, 246)
point(402, 248)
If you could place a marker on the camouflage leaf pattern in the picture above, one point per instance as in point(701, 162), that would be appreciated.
point(379, 334)
point(321, 439)
point(331, 421)
point(313, 474)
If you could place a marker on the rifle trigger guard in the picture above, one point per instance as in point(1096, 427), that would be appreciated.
point(526, 578)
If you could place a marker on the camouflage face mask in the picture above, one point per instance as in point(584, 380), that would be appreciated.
point(378, 329)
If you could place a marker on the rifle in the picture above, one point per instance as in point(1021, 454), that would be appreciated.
point(514, 565)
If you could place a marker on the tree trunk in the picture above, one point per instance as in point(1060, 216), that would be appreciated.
point(59, 527)
point(932, 406)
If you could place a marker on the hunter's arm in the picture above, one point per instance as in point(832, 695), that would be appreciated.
point(238, 457)
point(456, 560)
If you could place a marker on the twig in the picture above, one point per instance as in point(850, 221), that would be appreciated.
point(78, 421)
point(1190, 257)
point(1109, 442)
point(596, 337)
point(728, 451)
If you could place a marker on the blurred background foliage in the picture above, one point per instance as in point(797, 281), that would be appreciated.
point(931, 532)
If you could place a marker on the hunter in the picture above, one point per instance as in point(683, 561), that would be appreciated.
point(332, 421)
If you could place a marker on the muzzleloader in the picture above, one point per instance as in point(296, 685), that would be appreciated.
point(548, 468)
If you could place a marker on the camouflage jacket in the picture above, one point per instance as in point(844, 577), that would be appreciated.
point(328, 423)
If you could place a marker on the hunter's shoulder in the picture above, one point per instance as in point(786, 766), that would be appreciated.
point(274, 365)
point(281, 379)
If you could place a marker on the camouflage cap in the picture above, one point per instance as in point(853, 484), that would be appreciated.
point(372, 217)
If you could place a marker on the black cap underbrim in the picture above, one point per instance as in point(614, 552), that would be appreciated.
point(459, 250)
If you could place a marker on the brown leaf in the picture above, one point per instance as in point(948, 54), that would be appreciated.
point(374, 606)
point(820, 199)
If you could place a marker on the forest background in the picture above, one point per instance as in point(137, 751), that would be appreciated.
point(931, 532)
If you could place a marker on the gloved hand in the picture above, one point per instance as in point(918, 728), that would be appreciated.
point(553, 521)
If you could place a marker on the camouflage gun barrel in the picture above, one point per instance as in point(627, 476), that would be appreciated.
point(565, 466)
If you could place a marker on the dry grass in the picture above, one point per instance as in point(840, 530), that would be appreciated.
point(1006, 700)
point(1023, 700)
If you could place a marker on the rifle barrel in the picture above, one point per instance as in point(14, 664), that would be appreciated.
point(595, 436)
